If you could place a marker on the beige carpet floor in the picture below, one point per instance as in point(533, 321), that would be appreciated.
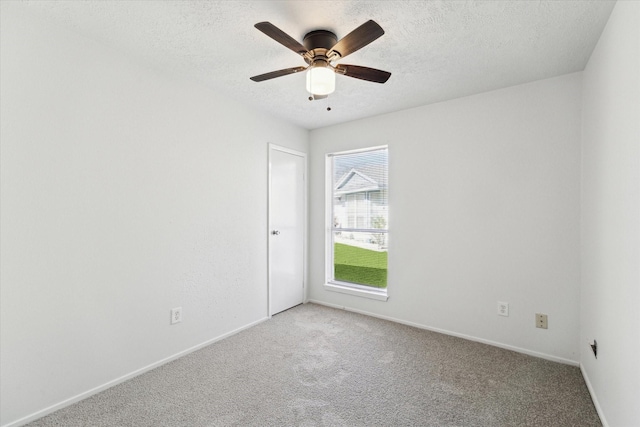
point(318, 366)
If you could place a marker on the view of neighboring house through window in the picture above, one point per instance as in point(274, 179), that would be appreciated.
point(360, 213)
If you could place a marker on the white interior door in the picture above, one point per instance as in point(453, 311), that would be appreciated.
point(286, 228)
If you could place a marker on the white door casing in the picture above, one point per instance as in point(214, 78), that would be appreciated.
point(287, 224)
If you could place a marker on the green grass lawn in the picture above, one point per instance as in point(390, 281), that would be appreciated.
point(361, 266)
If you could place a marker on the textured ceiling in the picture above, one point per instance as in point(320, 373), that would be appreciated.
point(435, 50)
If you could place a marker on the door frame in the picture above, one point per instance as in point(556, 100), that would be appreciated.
point(305, 190)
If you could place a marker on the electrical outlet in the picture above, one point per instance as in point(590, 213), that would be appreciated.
point(503, 308)
point(541, 321)
point(176, 315)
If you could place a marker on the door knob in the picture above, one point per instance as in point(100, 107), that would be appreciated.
point(275, 232)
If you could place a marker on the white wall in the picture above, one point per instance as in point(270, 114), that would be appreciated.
point(117, 182)
point(610, 294)
point(125, 192)
point(484, 207)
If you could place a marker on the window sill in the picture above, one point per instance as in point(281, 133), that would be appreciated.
point(377, 294)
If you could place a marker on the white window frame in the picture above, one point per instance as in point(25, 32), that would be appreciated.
point(331, 284)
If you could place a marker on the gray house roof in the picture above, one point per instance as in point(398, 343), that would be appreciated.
point(360, 172)
point(356, 181)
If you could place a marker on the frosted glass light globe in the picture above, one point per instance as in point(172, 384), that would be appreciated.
point(321, 81)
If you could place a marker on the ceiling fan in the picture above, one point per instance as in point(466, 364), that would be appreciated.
point(321, 48)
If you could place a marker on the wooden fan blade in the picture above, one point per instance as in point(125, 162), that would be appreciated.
point(363, 73)
point(281, 37)
point(279, 73)
point(356, 39)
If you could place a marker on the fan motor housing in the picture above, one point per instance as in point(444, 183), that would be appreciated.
point(320, 39)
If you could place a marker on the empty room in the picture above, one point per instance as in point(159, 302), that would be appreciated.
point(319, 213)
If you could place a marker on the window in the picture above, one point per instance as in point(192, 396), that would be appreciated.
point(358, 216)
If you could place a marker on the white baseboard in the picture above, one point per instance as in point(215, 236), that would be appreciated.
point(454, 334)
point(592, 392)
point(95, 390)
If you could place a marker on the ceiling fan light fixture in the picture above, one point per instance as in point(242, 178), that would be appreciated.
point(320, 49)
point(321, 80)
